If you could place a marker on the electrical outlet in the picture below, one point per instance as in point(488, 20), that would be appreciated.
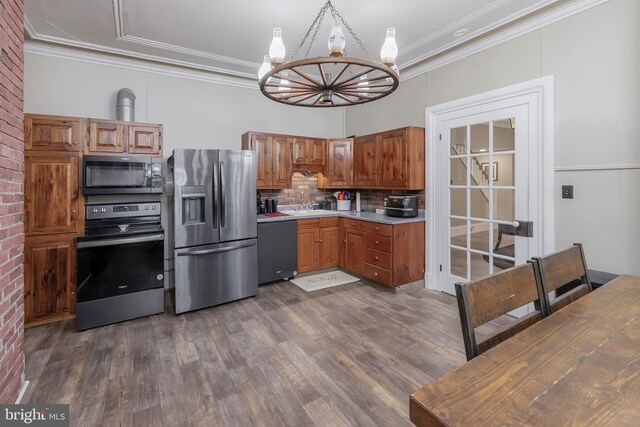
point(567, 191)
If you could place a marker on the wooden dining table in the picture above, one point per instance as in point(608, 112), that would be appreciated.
point(578, 367)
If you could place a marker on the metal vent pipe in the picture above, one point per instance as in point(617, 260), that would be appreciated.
point(126, 105)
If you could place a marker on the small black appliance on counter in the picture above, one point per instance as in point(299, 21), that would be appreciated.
point(401, 206)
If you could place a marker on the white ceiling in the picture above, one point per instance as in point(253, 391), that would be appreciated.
point(232, 36)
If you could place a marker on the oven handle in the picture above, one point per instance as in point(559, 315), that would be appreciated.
point(215, 251)
point(119, 241)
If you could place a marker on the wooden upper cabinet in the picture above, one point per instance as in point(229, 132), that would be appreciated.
point(339, 172)
point(49, 273)
point(274, 159)
point(365, 164)
point(52, 193)
point(281, 175)
point(393, 159)
point(261, 144)
point(309, 151)
point(143, 139)
point(390, 160)
point(52, 133)
point(300, 153)
point(106, 137)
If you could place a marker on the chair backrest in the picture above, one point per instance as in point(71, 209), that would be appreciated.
point(562, 268)
point(489, 298)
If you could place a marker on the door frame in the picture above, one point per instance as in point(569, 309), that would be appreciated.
point(541, 93)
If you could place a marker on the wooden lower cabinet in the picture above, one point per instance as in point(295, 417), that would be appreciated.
point(50, 278)
point(391, 255)
point(318, 244)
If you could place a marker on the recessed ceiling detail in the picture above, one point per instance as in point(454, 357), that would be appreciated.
point(229, 38)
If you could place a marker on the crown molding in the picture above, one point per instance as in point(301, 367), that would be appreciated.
point(506, 35)
point(122, 34)
point(136, 65)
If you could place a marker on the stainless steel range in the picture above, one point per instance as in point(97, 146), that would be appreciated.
point(120, 264)
point(213, 226)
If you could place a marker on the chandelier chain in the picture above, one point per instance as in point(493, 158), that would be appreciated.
point(318, 21)
point(315, 23)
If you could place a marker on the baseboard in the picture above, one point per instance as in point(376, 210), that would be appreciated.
point(23, 390)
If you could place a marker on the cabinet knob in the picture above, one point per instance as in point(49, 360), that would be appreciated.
point(376, 258)
point(317, 241)
point(344, 241)
point(321, 241)
point(377, 242)
point(375, 273)
point(377, 229)
point(75, 142)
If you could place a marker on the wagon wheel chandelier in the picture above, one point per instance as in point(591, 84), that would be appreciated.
point(332, 81)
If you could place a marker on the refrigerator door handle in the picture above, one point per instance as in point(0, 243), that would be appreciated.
point(215, 251)
point(214, 189)
point(223, 211)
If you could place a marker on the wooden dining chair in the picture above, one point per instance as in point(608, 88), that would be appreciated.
point(560, 269)
point(487, 299)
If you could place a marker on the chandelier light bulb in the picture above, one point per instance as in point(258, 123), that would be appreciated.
point(277, 50)
point(336, 41)
point(284, 83)
point(265, 68)
point(389, 51)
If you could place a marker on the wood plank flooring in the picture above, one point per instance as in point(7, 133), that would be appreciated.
point(343, 356)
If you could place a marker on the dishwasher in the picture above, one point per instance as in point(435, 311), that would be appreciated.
point(277, 251)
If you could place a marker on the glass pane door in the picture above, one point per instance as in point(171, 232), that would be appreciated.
point(482, 198)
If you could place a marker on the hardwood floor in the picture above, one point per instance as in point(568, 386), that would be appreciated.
point(348, 355)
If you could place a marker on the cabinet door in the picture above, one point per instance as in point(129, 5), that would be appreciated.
point(329, 247)
point(144, 139)
point(300, 153)
point(49, 276)
point(105, 137)
point(308, 240)
point(281, 158)
point(365, 170)
point(391, 151)
point(43, 133)
point(339, 163)
point(317, 151)
point(51, 193)
point(261, 144)
point(354, 251)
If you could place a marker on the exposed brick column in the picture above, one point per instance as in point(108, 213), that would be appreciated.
point(11, 199)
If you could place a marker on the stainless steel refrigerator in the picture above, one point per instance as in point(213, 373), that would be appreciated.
point(214, 224)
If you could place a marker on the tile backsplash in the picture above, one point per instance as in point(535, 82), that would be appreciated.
point(309, 186)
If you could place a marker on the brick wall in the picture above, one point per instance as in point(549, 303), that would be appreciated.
point(309, 185)
point(11, 199)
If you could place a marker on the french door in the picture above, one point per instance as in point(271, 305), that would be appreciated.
point(484, 212)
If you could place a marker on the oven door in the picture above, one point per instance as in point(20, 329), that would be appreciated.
point(117, 266)
point(117, 175)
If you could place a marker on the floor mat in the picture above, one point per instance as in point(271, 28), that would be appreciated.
point(323, 280)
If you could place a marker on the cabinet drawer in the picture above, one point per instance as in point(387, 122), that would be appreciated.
point(377, 274)
point(308, 223)
point(353, 224)
point(374, 227)
point(329, 222)
point(377, 242)
point(380, 259)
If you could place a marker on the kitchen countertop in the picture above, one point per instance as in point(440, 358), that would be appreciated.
point(364, 216)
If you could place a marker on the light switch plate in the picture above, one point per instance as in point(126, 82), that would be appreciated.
point(567, 191)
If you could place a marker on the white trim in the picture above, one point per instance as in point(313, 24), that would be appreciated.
point(598, 167)
point(544, 89)
point(121, 34)
point(473, 34)
point(135, 65)
point(23, 390)
point(506, 35)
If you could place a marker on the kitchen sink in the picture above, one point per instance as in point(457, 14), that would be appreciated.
point(309, 213)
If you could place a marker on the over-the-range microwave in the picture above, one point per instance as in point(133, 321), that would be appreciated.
point(122, 175)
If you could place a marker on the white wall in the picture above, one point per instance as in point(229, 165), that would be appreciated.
point(595, 57)
point(195, 114)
